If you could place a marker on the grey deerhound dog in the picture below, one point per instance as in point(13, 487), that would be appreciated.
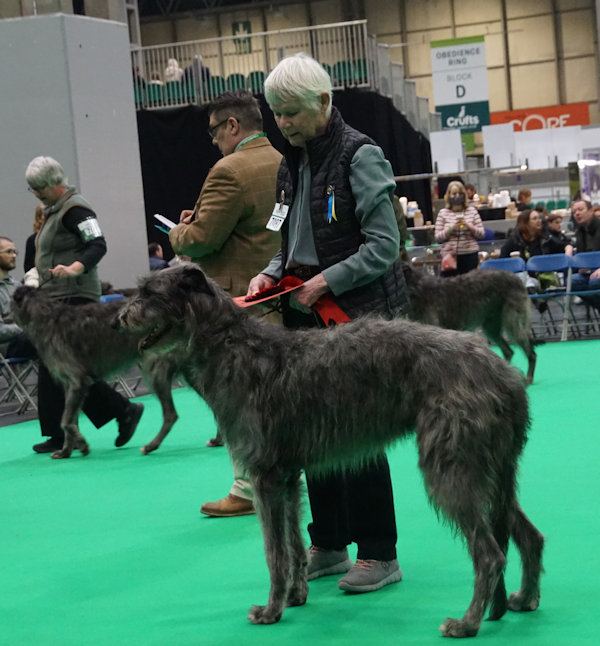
point(325, 399)
point(493, 301)
point(79, 347)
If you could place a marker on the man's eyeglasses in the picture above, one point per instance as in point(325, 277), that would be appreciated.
point(10, 251)
point(36, 189)
point(212, 130)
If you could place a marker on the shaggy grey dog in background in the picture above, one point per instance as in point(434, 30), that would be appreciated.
point(79, 347)
point(326, 399)
point(492, 300)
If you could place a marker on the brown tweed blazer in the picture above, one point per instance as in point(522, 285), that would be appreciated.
point(228, 238)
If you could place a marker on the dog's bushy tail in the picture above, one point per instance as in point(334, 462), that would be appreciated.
point(516, 316)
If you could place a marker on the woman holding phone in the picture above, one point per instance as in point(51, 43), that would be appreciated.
point(457, 228)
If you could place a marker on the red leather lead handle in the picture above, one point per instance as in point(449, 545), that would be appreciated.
point(330, 312)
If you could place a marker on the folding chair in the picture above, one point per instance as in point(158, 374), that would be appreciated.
point(588, 260)
point(14, 371)
point(556, 262)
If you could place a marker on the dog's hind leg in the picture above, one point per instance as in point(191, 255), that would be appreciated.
point(493, 330)
point(527, 345)
point(530, 543)
point(501, 525)
point(298, 590)
point(161, 375)
point(74, 396)
point(489, 563)
point(456, 481)
point(270, 502)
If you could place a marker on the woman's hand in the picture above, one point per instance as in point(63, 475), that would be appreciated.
point(67, 271)
point(306, 296)
point(261, 281)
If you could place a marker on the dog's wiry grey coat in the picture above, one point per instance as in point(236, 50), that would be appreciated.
point(321, 400)
point(493, 301)
point(79, 347)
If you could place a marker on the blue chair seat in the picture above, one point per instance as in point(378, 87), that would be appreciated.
point(515, 265)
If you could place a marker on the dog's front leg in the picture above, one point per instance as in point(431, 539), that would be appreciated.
point(269, 501)
point(74, 396)
point(162, 374)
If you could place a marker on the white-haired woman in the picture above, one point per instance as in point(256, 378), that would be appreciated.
point(68, 248)
point(340, 236)
point(457, 228)
point(173, 71)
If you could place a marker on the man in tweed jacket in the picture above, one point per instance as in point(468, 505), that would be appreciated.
point(225, 233)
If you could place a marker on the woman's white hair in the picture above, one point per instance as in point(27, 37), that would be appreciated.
point(298, 78)
point(45, 171)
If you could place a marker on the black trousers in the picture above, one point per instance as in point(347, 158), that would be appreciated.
point(350, 506)
point(465, 262)
point(102, 404)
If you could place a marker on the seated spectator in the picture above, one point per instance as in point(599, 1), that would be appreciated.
point(173, 72)
point(155, 254)
point(587, 237)
point(138, 80)
point(555, 241)
point(197, 71)
point(523, 199)
point(8, 261)
point(525, 240)
point(471, 192)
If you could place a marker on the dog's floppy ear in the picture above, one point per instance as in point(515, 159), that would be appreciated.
point(21, 292)
point(193, 279)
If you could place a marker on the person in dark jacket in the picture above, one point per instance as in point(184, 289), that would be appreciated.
point(155, 257)
point(339, 235)
point(526, 237)
point(526, 240)
point(555, 241)
point(587, 238)
point(69, 247)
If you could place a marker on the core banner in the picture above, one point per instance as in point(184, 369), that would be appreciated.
point(551, 116)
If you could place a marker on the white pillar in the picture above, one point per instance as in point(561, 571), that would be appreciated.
point(68, 94)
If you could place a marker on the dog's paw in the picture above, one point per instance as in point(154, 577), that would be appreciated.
point(298, 594)
point(458, 628)
point(84, 448)
point(263, 615)
point(61, 454)
point(498, 610)
point(519, 602)
point(148, 448)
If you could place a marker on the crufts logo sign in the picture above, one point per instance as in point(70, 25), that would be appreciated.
point(462, 120)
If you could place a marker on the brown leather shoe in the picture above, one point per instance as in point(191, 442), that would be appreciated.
point(230, 506)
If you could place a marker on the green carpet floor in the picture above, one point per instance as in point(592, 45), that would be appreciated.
point(111, 548)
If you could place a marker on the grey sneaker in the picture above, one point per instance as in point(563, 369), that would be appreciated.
point(368, 575)
point(325, 562)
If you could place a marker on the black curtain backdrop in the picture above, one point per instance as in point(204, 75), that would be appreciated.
point(177, 153)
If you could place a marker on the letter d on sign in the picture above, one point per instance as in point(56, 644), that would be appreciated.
point(460, 91)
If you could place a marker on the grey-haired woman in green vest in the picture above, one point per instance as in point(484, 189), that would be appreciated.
point(68, 249)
